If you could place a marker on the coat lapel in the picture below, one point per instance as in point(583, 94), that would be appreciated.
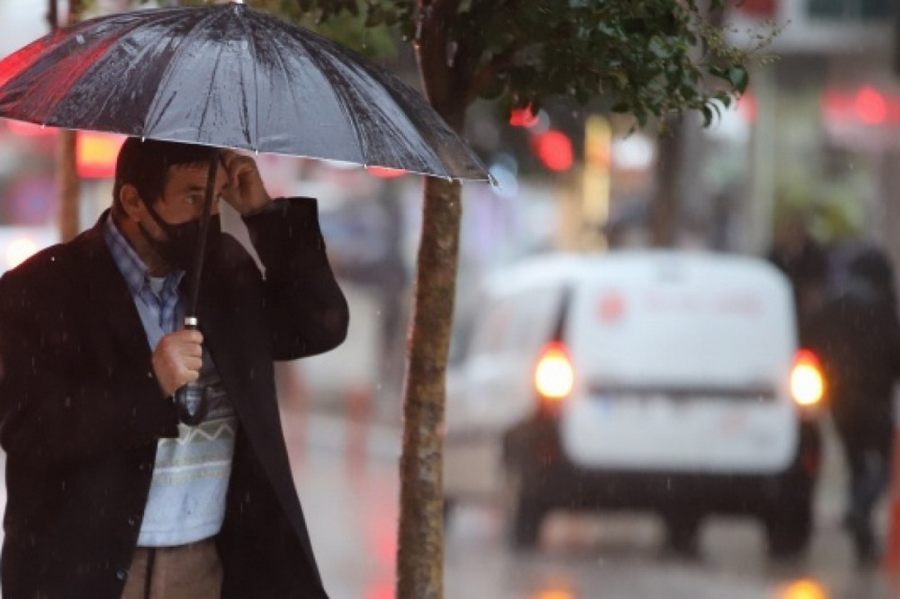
point(109, 294)
point(237, 338)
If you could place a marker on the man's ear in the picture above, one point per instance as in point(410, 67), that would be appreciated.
point(131, 203)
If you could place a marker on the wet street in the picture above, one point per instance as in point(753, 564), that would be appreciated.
point(347, 479)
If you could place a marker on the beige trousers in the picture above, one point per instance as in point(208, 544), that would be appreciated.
point(185, 572)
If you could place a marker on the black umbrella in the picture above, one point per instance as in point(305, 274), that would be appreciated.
point(228, 76)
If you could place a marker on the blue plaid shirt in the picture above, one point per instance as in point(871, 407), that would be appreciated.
point(162, 304)
point(186, 501)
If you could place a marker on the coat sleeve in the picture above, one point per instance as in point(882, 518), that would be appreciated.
point(58, 403)
point(304, 305)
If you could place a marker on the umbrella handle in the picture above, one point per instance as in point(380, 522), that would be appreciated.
point(184, 393)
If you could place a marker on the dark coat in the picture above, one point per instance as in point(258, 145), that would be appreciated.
point(857, 336)
point(81, 411)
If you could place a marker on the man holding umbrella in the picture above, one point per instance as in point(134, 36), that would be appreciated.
point(109, 494)
point(97, 465)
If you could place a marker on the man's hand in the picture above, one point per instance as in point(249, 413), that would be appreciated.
point(177, 360)
point(245, 192)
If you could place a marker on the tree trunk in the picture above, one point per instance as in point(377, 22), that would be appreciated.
point(421, 548)
point(664, 211)
point(68, 184)
point(420, 556)
point(67, 167)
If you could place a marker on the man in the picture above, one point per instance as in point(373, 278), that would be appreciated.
point(857, 335)
point(109, 495)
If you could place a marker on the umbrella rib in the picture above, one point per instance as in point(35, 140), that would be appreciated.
point(170, 68)
point(377, 76)
point(333, 49)
point(251, 41)
point(287, 76)
point(212, 81)
point(145, 49)
point(362, 146)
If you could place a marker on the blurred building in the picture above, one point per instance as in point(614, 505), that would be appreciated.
point(825, 120)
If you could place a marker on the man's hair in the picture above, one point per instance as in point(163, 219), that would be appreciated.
point(145, 164)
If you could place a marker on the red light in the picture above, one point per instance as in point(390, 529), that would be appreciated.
point(554, 376)
point(523, 117)
point(380, 590)
point(758, 8)
point(385, 173)
point(747, 107)
point(20, 60)
point(23, 129)
point(870, 106)
point(807, 381)
point(554, 149)
point(837, 106)
point(97, 154)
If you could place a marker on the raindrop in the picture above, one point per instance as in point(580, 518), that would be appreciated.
point(452, 48)
point(79, 38)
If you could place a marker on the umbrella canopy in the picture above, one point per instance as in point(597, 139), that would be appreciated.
point(229, 76)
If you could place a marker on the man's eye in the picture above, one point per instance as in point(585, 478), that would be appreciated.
point(193, 199)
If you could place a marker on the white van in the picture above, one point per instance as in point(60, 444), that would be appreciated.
point(665, 381)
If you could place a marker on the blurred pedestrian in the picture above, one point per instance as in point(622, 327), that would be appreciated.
point(109, 495)
point(796, 253)
point(857, 336)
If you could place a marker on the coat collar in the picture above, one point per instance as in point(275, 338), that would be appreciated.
point(108, 291)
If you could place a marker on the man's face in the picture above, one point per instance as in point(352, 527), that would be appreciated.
point(185, 191)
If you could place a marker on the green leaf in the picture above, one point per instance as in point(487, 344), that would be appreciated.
point(739, 78)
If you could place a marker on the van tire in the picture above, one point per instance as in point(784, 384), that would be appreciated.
point(682, 536)
point(789, 529)
point(524, 513)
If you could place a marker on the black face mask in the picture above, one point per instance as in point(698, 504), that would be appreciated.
point(180, 247)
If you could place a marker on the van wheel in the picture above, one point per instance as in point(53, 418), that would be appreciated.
point(524, 512)
point(682, 533)
point(789, 528)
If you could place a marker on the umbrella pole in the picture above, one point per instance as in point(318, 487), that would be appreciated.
point(191, 321)
point(199, 254)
